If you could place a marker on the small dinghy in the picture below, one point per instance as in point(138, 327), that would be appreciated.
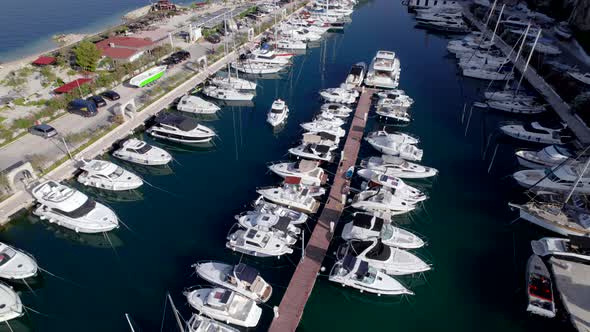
point(16, 264)
point(366, 227)
point(11, 306)
point(392, 261)
point(258, 243)
point(239, 278)
point(139, 152)
point(357, 273)
point(269, 222)
point(225, 305)
point(313, 151)
point(106, 175)
point(399, 167)
point(381, 201)
point(574, 248)
point(278, 113)
point(396, 185)
point(356, 75)
point(198, 323)
point(308, 171)
point(325, 127)
point(539, 288)
point(338, 110)
point(264, 207)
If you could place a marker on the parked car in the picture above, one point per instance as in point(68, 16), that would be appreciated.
point(98, 101)
point(181, 55)
point(110, 95)
point(43, 130)
point(82, 107)
point(214, 38)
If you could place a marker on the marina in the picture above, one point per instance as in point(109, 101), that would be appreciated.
point(345, 185)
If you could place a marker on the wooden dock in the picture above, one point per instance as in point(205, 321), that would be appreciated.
point(562, 109)
point(303, 280)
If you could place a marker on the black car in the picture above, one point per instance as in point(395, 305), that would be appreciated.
point(111, 95)
point(213, 38)
point(98, 101)
point(43, 130)
point(181, 55)
point(82, 107)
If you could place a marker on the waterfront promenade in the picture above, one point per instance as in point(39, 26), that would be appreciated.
point(301, 285)
point(562, 109)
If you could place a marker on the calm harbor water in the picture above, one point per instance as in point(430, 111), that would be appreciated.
point(184, 215)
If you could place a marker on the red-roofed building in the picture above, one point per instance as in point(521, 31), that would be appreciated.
point(72, 85)
point(44, 61)
point(124, 49)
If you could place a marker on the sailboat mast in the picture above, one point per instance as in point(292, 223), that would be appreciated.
point(492, 12)
point(129, 322)
point(178, 320)
point(577, 181)
point(497, 23)
point(526, 65)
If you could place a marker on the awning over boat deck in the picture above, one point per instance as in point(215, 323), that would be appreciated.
point(327, 136)
point(580, 242)
point(364, 221)
point(282, 224)
point(322, 148)
point(311, 138)
point(307, 165)
point(245, 273)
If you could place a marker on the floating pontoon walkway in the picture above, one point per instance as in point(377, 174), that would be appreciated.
point(576, 125)
point(303, 280)
point(572, 281)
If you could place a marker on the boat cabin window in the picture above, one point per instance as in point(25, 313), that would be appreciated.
point(117, 173)
point(81, 211)
point(6, 255)
point(143, 149)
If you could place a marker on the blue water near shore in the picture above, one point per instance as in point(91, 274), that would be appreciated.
point(185, 213)
point(27, 26)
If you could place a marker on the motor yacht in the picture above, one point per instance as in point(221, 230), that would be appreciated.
point(263, 207)
point(547, 157)
point(268, 56)
point(338, 110)
point(392, 261)
point(16, 264)
point(562, 219)
point(216, 92)
point(356, 75)
point(296, 197)
point(516, 106)
point(538, 132)
point(399, 167)
point(396, 185)
point(395, 145)
point(381, 200)
point(239, 278)
point(280, 226)
point(339, 95)
point(290, 44)
point(329, 117)
point(198, 323)
point(365, 227)
point(258, 243)
point(181, 129)
point(448, 26)
point(323, 127)
point(574, 248)
point(384, 71)
point(557, 179)
point(302, 34)
point(278, 113)
point(357, 273)
point(106, 175)
point(539, 288)
point(313, 151)
point(225, 305)
point(11, 306)
point(394, 98)
point(196, 105)
point(257, 68)
point(139, 152)
point(508, 95)
point(308, 171)
point(478, 72)
point(72, 209)
point(233, 83)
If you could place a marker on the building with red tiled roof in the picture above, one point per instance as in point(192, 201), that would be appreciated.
point(72, 85)
point(124, 49)
point(44, 61)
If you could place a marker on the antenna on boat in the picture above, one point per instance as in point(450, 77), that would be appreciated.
point(129, 322)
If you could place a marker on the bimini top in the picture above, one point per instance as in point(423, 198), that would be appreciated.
point(181, 122)
point(245, 273)
point(364, 221)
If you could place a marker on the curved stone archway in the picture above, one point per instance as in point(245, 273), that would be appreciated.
point(18, 176)
point(127, 109)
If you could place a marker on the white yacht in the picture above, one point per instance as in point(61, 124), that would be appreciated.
point(239, 278)
point(72, 209)
point(538, 132)
point(225, 305)
point(106, 175)
point(356, 75)
point(308, 171)
point(196, 105)
point(508, 95)
point(397, 95)
point(258, 243)
point(574, 248)
point(557, 179)
point(303, 34)
point(313, 151)
point(281, 226)
point(181, 129)
point(329, 117)
point(139, 152)
point(547, 157)
point(198, 323)
point(384, 71)
point(381, 201)
point(395, 146)
point(298, 198)
point(545, 48)
point(267, 55)
point(487, 74)
point(231, 82)
point(396, 114)
point(216, 92)
point(399, 167)
point(11, 306)
point(562, 219)
point(366, 227)
point(16, 264)
point(257, 68)
point(338, 110)
point(392, 261)
point(339, 95)
point(394, 103)
point(394, 136)
point(539, 288)
point(323, 126)
point(263, 207)
point(321, 138)
point(516, 106)
point(278, 113)
point(290, 44)
point(396, 185)
point(581, 77)
point(357, 273)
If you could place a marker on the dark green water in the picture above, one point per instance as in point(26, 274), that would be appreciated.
point(477, 282)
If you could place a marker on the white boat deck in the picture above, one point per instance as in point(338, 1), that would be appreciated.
point(572, 281)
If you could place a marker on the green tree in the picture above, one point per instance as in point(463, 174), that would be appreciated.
point(87, 55)
point(48, 74)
